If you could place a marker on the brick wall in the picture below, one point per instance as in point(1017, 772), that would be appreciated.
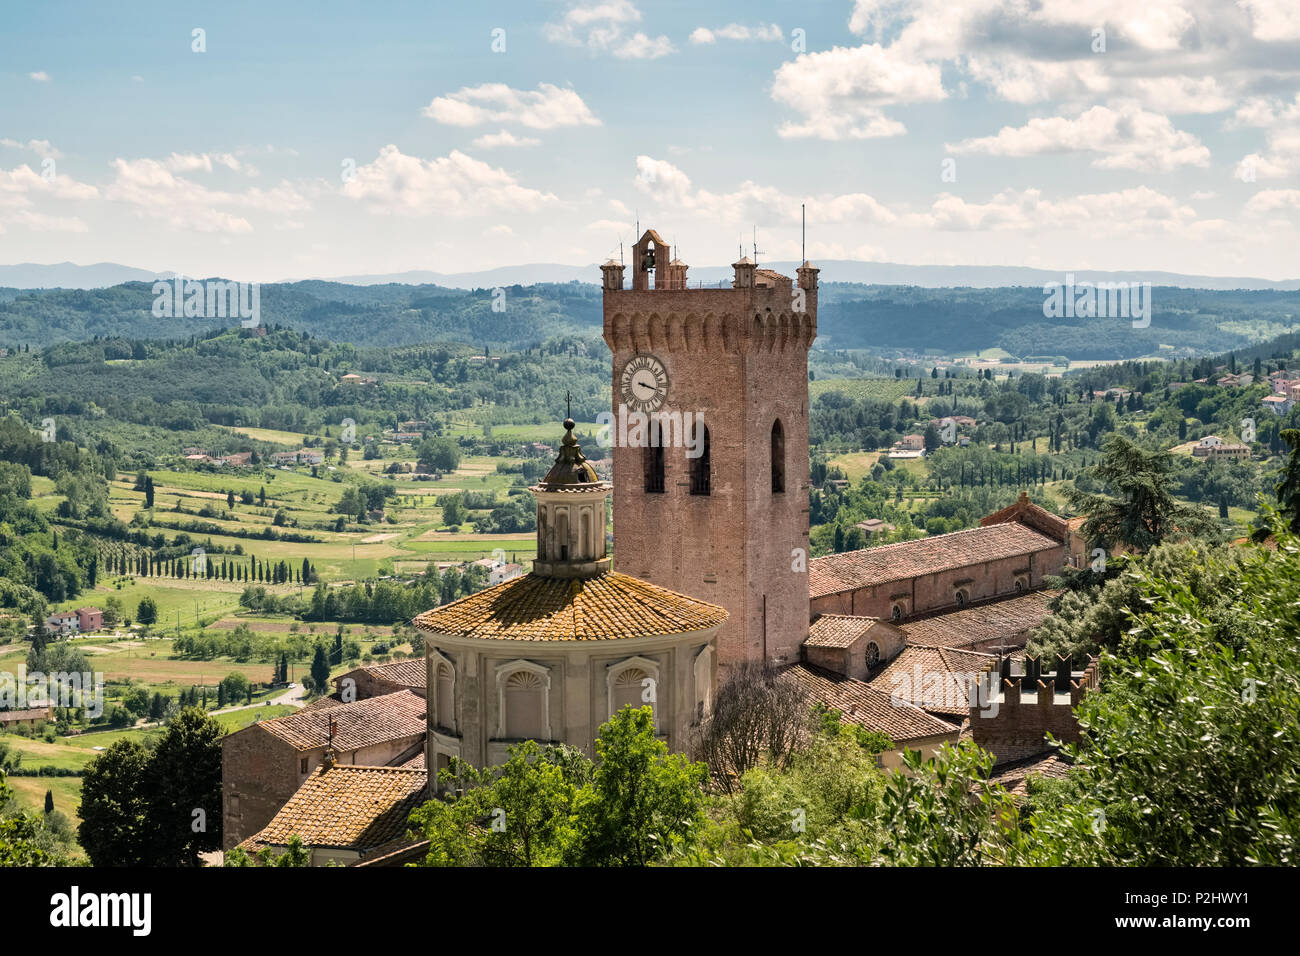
point(739, 356)
point(259, 773)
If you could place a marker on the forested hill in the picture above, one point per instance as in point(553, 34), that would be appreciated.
point(1184, 322)
point(377, 315)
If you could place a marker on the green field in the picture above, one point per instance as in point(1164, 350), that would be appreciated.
point(879, 389)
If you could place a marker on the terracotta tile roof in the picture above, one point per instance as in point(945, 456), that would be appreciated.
point(908, 559)
point(399, 852)
point(31, 713)
point(1035, 516)
point(413, 763)
point(936, 679)
point(356, 808)
point(838, 630)
point(1007, 620)
point(860, 703)
point(362, 723)
point(333, 700)
point(408, 672)
point(603, 608)
point(1014, 776)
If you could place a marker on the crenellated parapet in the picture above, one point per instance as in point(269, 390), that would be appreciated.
point(1013, 713)
point(704, 320)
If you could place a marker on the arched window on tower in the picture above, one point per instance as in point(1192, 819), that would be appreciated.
point(778, 458)
point(701, 468)
point(652, 460)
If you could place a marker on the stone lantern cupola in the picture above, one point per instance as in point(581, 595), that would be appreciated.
point(571, 515)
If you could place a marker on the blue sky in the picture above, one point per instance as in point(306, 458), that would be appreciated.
point(325, 139)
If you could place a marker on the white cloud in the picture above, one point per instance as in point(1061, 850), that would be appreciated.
point(22, 188)
point(152, 187)
point(603, 28)
point(18, 186)
point(499, 230)
point(1123, 212)
point(1171, 56)
point(751, 202)
point(841, 91)
point(1271, 200)
point(737, 31)
point(452, 185)
point(505, 138)
point(41, 147)
point(41, 222)
point(610, 226)
point(192, 162)
point(1100, 213)
point(1123, 137)
point(547, 107)
point(40, 76)
point(1273, 20)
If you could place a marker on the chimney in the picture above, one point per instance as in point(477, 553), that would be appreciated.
point(744, 273)
point(613, 276)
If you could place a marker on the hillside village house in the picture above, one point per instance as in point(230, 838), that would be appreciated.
point(1213, 447)
point(264, 764)
point(62, 623)
point(29, 717)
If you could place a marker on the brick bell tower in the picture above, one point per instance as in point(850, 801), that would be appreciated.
point(729, 525)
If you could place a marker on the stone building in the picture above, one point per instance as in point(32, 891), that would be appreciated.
point(264, 764)
point(551, 655)
point(730, 525)
point(939, 573)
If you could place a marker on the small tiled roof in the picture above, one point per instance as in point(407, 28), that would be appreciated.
point(838, 630)
point(361, 723)
point(408, 672)
point(346, 807)
point(606, 607)
point(911, 677)
point(908, 559)
point(398, 852)
point(31, 713)
point(860, 703)
point(1035, 516)
point(413, 763)
point(1014, 776)
point(1007, 620)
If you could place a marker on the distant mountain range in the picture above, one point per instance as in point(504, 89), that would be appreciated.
point(68, 275)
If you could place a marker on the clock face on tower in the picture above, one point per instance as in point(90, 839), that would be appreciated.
point(643, 383)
